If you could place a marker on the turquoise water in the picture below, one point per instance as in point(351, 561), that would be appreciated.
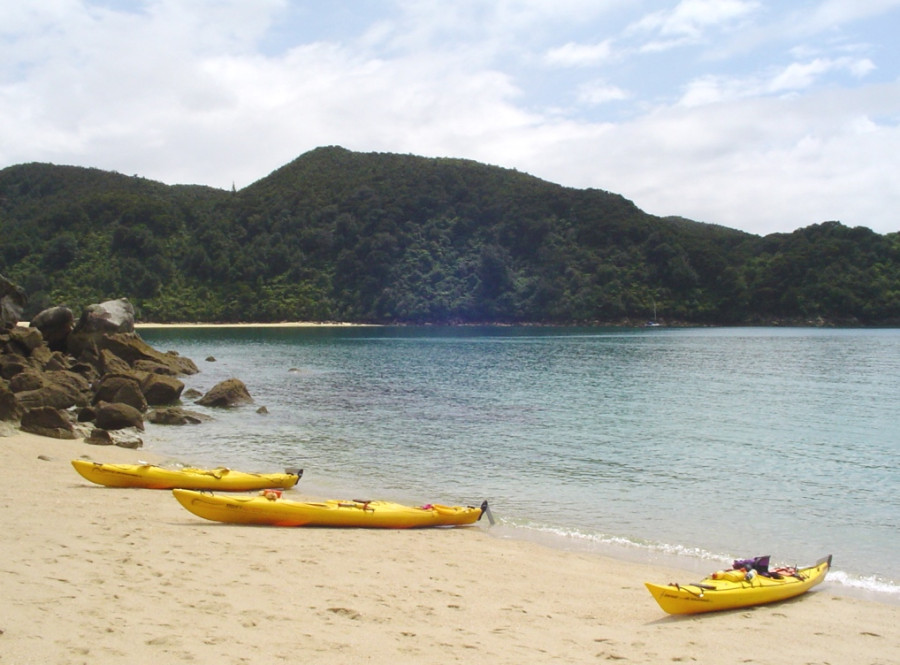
point(698, 444)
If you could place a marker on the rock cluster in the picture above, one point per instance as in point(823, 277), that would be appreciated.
point(95, 378)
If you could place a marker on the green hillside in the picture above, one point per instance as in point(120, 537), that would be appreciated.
point(338, 235)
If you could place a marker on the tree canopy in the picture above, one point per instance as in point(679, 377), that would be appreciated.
point(386, 238)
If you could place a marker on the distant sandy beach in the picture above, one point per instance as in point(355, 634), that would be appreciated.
point(282, 324)
point(101, 576)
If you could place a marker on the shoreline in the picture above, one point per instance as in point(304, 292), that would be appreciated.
point(106, 576)
point(282, 324)
point(685, 563)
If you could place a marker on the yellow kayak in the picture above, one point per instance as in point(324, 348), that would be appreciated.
point(150, 476)
point(269, 508)
point(750, 582)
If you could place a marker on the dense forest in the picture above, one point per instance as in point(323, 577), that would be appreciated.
point(384, 238)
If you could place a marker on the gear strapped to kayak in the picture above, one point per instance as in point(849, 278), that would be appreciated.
point(760, 565)
point(749, 582)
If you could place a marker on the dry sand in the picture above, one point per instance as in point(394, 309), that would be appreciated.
point(96, 575)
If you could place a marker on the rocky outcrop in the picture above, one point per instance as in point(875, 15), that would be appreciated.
point(10, 409)
point(11, 363)
point(55, 324)
point(96, 378)
point(161, 389)
point(175, 415)
point(57, 388)
point(124, 438)
point(137, 353)
point(25, 341)
point(228, 393)
point(120, 388)
point(47, 421)
point(12, 303)
point(106, 318)
point(26, 380)
point(56, 378)
point(192, 394)
point(118, 416)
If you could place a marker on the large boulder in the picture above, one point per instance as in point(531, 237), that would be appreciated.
point(99, 320)
point(161, 389)
point(12, 364)
point(47, 421)
point(59, 389)
point(25, 340)
point(118, 416)
point(128, 347)
point(111, 363)
point(43, 358)
point(29, 379)
point(55, 324)
point(55, 361)
point(124, 388)
point(71, 381)
point(89, 372)
point(106, 318)
point(59, 394)
point(228, 393)
point(12, 303)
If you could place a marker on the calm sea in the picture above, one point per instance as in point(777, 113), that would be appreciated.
point(684, 446)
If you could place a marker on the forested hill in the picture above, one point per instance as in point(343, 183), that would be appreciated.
point(338, 235)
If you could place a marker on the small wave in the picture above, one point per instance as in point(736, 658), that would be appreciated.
point(681, 556)
point(869, 587)
point(870, 584)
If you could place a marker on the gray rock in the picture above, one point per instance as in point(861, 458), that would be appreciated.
point(124, 438)
point(112, 316)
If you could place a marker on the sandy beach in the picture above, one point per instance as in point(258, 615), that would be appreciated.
point(282, 324)
point(96, 575)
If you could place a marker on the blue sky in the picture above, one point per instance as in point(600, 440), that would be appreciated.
point(759, 115)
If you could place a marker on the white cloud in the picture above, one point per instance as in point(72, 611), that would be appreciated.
point(594, 93)
point(833, 13)
point(762, 140)
point(714, 89)
point(797, 76)
point(580, 55)
point(794, 77)
point(690, 21)
point(764, 164)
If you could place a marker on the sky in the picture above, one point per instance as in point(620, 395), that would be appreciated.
point(760, 115)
